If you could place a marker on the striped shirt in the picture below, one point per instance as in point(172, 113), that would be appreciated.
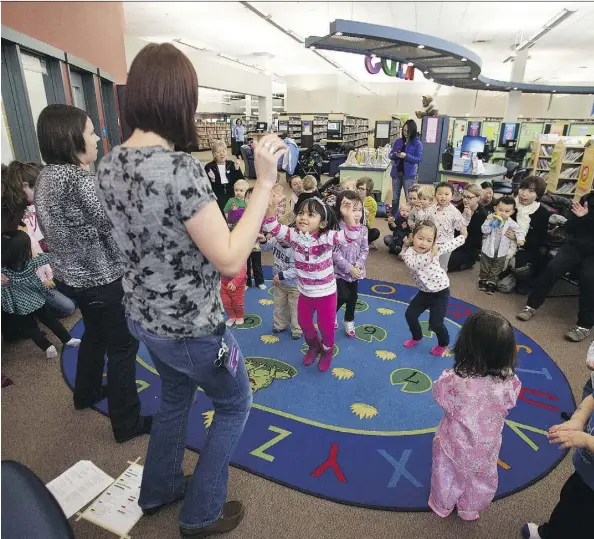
point(313, 255)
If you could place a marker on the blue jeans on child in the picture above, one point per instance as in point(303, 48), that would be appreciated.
point(398, 183)
point(184, 365)
point(59, 304)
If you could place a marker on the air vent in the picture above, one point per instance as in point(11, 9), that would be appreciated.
point(481, 41)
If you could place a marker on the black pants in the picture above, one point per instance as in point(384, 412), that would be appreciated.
point(437, 303)
point(106, 331)
point(462, 259)
point(394, 243)
point(372, 235)
point(572, 516)
point(254, 265)
point(347, 293)
point(29, 329)
point(569, 258)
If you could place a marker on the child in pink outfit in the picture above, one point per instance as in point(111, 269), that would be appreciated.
point(313, 240)
point(476, 395)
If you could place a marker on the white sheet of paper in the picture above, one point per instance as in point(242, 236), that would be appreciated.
point(78, 486)
point(117, 508)
point(431, 133)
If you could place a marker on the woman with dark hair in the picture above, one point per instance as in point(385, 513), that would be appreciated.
point(239, 136)
point(168, 225)
point(577, 253)
point(465, 256)
point(14, 199)
point(407, 153)
point(533, 219)
point(88, 266)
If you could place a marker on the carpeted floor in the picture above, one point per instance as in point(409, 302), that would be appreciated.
point(41, 429)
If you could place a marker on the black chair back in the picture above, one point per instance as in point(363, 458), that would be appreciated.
point(28, 508)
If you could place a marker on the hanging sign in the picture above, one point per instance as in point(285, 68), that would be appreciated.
point(391, 68)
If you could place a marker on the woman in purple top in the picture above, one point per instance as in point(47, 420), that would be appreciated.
point(406, 153)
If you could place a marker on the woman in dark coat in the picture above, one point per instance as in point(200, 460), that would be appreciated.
point(222, 174)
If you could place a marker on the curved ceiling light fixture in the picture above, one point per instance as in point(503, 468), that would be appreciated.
point(445, 62)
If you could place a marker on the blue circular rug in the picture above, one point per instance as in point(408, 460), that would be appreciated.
point(361, 433)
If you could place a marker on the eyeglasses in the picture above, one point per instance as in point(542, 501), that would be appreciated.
point(362, 189)
point(468, 197)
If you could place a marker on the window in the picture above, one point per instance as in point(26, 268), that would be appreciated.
point(34, 70)
point(78, 92)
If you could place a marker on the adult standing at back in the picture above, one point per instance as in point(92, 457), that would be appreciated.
point(406, 153)
point(239, 135)
point(176, 243)
point(87, 266)
point(223, 173)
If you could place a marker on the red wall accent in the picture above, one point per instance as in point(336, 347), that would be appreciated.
point(92, 31)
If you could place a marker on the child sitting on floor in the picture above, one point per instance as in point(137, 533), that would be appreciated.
point(399, 227)
point(422, 209)
point(296, 186)
point(365, 190)
point(284, 282)
point(476, 396)
point(24, 296)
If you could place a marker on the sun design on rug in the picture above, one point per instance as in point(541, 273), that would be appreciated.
point(363, 411)
point(385, 355)
point(342, 373)
point(266, 301)
point(385, 312)
point(208, 417)
point(269, 339)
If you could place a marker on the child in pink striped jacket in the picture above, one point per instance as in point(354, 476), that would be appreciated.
point(313, 240)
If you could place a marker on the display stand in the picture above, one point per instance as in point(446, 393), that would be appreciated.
point(586, 177)
point(382, 182)
point(434, 136)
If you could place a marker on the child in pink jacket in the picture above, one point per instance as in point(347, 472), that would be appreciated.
point(476, 395)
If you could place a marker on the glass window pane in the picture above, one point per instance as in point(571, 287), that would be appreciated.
point(78, 92)
point(35, 69)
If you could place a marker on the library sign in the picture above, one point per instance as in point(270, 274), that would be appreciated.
point(391, 68)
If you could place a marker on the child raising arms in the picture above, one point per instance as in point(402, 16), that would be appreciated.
point(349, 261)
point(422, 259)
point(312, 241)
point(476, 396)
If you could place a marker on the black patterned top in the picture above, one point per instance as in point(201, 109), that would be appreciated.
point(83, 253)
point(171, 289)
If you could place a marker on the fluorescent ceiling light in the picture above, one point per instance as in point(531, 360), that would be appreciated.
point(312, 48)
point(338, 34)
point(487, 84)
point(410, 64)
point(473, 78)
point(420, 46)
point(425, 72)
point(464, 59)
point(515, 87)
point(555, 21)
point(554, 91)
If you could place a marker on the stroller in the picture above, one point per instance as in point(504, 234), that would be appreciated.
point(310, 162)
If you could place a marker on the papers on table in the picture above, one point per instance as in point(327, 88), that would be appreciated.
point(78, 486)
point(117, 508)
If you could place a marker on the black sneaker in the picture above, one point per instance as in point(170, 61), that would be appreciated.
point(277, 330)
point(233, 513)
point(491, 288)
point(482, 285)
point(143, 427)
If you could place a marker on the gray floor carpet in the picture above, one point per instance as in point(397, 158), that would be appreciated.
point(41, 429)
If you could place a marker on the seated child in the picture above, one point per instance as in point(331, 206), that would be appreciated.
point(284, 282)
point(496, 243)
point(310, 189)
point(422, 209)
point(413, 196)
point(24, 296)
point(400, 230)
point(236, 205)
point(364, 190)
point(476, 396)
point(346, 184)
point(296, 186)
point(233, 296)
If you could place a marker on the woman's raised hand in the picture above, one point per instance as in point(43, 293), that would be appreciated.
point(267, 153)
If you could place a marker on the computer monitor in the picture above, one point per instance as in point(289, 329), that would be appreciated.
point(334, 126)
point(473, 144)
point(509, 132)
point(261, 127)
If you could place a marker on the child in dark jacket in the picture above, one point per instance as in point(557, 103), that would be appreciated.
point(400, 229)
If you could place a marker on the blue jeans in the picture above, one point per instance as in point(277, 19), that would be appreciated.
point(184, 365)
point(398, 183)
point(59, 304)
